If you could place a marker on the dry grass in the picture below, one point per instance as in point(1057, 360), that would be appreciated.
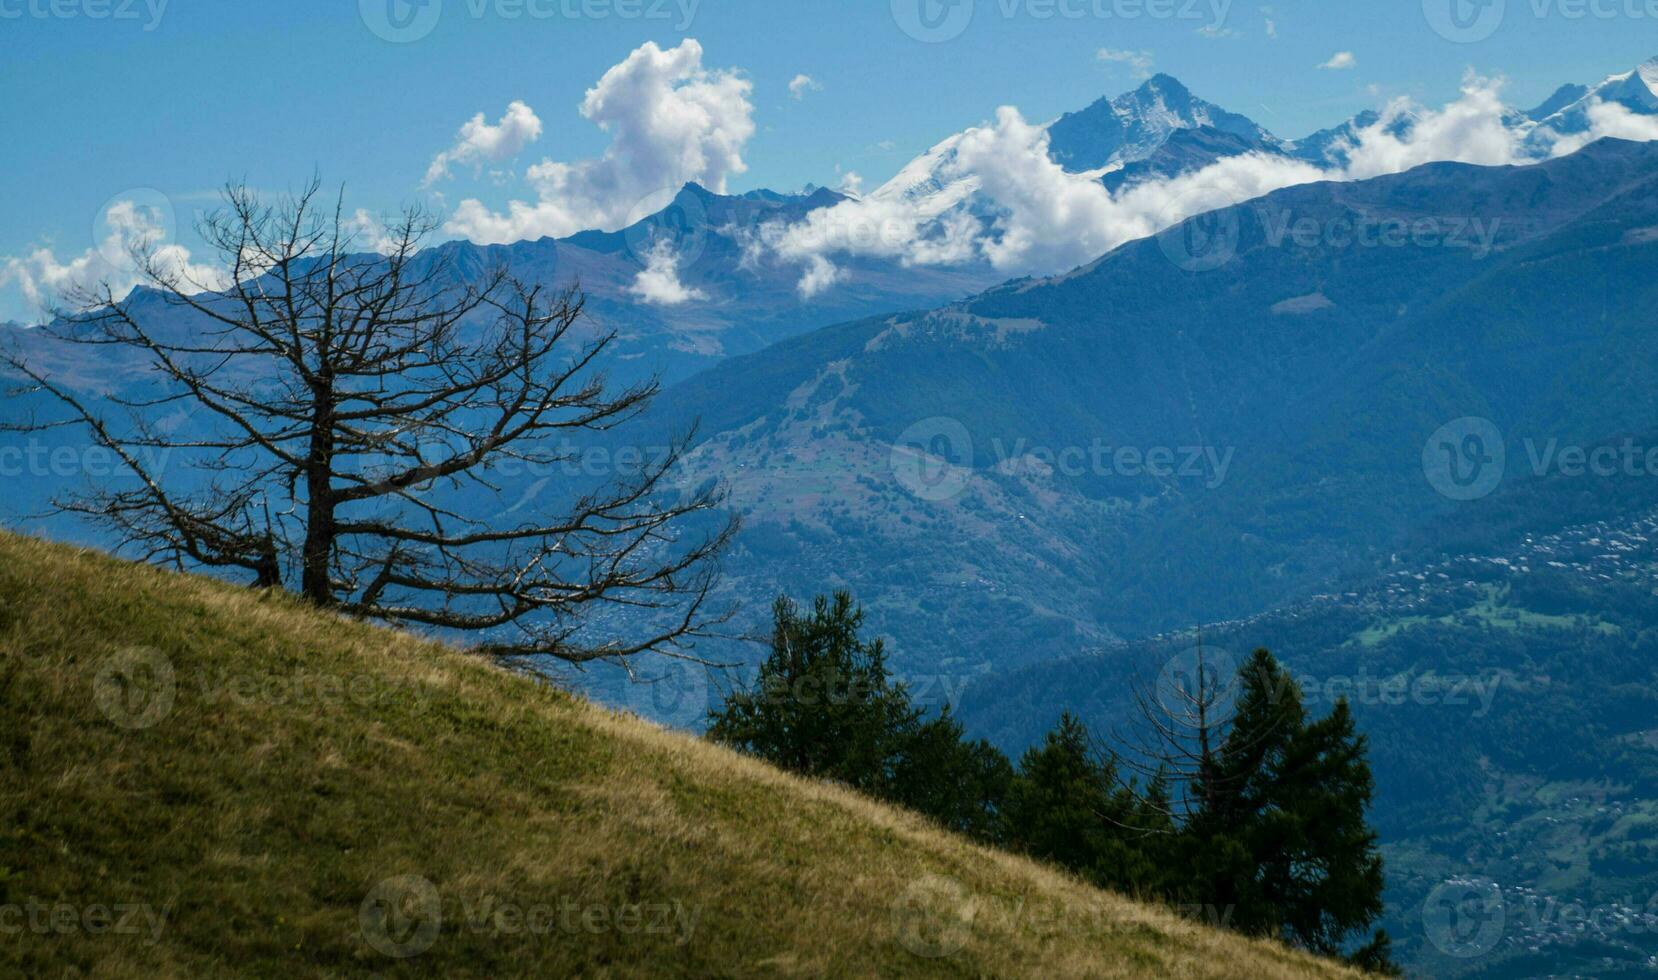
point(263, 823)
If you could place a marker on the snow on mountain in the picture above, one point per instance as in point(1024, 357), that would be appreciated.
point(1132, 127)
point(1635, 92)
point(1161, 130)
point(1105, 138)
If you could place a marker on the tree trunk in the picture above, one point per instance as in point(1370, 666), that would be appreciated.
point(319, 494)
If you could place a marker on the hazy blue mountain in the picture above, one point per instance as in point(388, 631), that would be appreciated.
point(1324, 147)
point(1508, 694)
point(746, 300)
point(1635, 90)
point(1314, 372)
point(1158, 129)
point(1563, 96)
point(1183, 151)
point(742, 306)
point(1133, 126)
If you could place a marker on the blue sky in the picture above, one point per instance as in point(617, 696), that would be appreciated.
point(181, 95)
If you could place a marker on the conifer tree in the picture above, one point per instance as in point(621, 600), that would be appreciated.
point(1066, 806)
point(825, 705)
point(1277, 832)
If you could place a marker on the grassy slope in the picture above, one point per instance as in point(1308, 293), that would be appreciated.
point(303, 761)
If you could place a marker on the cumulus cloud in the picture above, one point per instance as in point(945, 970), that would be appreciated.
point(1607, 119)
point(479, 142)
point(45, 280)
point(993, 193)
point(671, 121)
point(1340, 61)
point(658, 283)
point(1013, 207)
point(801, 84)
point(1138, 62)
point(1472, 129)
point(820, 275)
point(368, 231)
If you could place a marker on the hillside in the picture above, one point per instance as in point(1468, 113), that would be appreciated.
point(1508, 694)
point(282, 778)
point(1290, 391)
point(739, 306)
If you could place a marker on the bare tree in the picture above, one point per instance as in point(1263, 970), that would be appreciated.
point(352, 415)
point(1181, 732)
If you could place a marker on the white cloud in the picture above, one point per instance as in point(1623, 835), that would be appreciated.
point(1138, 62)
point(1050, 219)
point(658, 283)
point(1216, 32)
point(801, 84)
point(990, 194)
point(1340, 61)
point(852, 182)
point(368, 231)
point(1012, 207)
point(1608, 119)
point(1470, 130)
point(45, 280)
point(478, 142)
point(670, 121)
point(820, 275)
point(993, 194)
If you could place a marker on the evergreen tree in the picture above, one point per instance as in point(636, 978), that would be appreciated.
point(1067, 806)
point(825, 705)
point(1279, 834)
point(960, 783)
point(1253, 813)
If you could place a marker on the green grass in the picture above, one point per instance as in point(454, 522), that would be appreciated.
point(1492, 611)
point(198, 780)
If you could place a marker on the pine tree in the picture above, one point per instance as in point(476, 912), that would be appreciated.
point(1280, 835)
point(825, 705)
point(1067, 806)
point(962, 784)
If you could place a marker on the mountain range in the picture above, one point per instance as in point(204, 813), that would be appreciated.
point(1031, 484)
point(1162, 130)
point(981, 476)
point(1295, 386)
